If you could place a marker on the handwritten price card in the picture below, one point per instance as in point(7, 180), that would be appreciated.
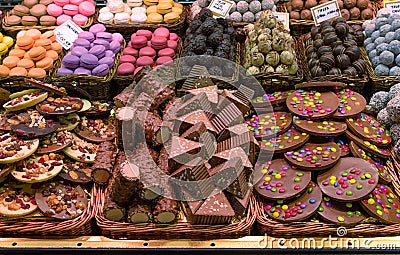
point(393, 6)
point(326, 11)
point(283, 17)
point(220, 8)
point(67, 33)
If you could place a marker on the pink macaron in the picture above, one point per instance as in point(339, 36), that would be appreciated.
point(61, 2)
point(87, 8)
point(130, 51)
point(145, 61)
point(76, 2)
point(127, 59)
point(63, 18)
point(162, 31)
point(54, 10)
point(147, 51)
point(167, 52)
point(163, 60)
point(70, 9)
point(148, 34)
point(159, 42)
point(138, 42)
point(173, 36)
point(172, 44)
point(126, 69)
point(80, 19)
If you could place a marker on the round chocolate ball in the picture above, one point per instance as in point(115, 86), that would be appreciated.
point(310, 49)
point(348, 4)
point(345, 14)
point(338, 20)
point(362, 4)
point(318, 43)
point(312, 55)
point(327, 30)
point(360, 66)
point(349, 43)
point(353, 52)
point(294, 15)
point(324, 50)
point(355, 13)
point(314, 32)
point(310, 3)
point(317, 71)
point(297, 5)
point(306, 14)
point(367, 14)
point(334, 71)
point(341, 30)
point(342, 61)
point(340, 49)
point(350, 71)
point(313, 62)
point(327, 61)
point(330, 38)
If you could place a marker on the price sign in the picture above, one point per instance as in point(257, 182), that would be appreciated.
point(220, 8)
point(393, 6)
point(283, 17)
point(326, 11)
point(67, 33)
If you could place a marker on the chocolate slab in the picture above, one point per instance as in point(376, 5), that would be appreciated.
point(195, 103)
point(290, 140)
point(185, 122)
point(275, 98)
point(321, 84)
point(98, 109)
point(54, 142)
point(63, 106)
point(227, 117)
point(93, 132)
point(351, 179)
point(350, 103)
point(379, 164)
point(181, 151)
point(233, 131)
point(195, 131)
point(298, 209)
point(368, 128)
point(21, 124)
point(280, 180)
point(241, 105)
point(312, 104)
point(320, 127)
point(340, 213)
point(383, 204)
point(270, 124)
point(68, 122)
point(240, 205)
point(75, 195)
point(367, 146)
point(313, 156)
point(75, 172)
point(46, 86)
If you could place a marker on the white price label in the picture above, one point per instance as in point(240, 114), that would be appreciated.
point(393, 6)
point(283, 17)
point(220, 8)
point(326, 11)
point(67, 33)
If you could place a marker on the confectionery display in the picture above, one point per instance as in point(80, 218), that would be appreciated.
point(349, 9)
point(269, 47)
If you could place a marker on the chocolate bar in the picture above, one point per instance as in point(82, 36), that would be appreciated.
point(164, 96)
point(181, 150)
point(125, 182)
point(104, 162)
point(142, 73)
point(112, 211)
point(241, 105)
point(233, 131)
point(139, 211)
point(166, 210)
point(229, 116)
point(240, 205)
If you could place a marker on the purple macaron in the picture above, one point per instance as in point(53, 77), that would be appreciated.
point(82, 42)
point(87, 36)
point(89, 61)
point(82, 70)
point(64, 71)
point(70, 61)
point(98, 50)
point(97, 28)
point(79, 51)
point(115, 46)
point(110, 54)
point(104, 36)
point(117, 37)
point(107, 60)
point(101, 70)
point(102, 42)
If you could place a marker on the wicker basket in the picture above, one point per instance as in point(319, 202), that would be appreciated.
point(44, 226)
point(357, 84)
point(128, 29)
point(368, 228)
point(181, 229)
point(99, 88)
point(272, 82)
point(13, 30)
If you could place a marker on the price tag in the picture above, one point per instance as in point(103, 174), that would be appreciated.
point(326, 11)
point(220, 8)
point(283, 17)
point(393, 6)
point(67, 33)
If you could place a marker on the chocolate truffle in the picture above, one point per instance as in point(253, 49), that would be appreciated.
point(349, 3)
point(395, 132)
point(354, 13)
point(393, 109)
point(345, 14)
point(394, 91)
point(384, 119)
point(379, 100)
point(342, 61)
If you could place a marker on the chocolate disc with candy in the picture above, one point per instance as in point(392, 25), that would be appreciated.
point(272, 98)
point(376, 162)
point(314, 156)
point(369, 129)
point(367, 146)
point(280, 180)
point(350, 103)
point(344, 147)
point(312, 104)
point(383, 204)
point(54, 142)
point(299, 209)
point(320, 127)
point(351, 179)
point(287, 141)
point(270, 124)
point(340, 213)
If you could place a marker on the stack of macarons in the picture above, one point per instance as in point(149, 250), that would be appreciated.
point(93, 53)
point(33, 54)
point(148, 49)
point(6, 42)
point(50, 12)
point(147, 11)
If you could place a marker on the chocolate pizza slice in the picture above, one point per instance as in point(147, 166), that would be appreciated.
point(290, 140)
point(97, 109)
point(367, 146)
point(320, 127)
point(75, 172)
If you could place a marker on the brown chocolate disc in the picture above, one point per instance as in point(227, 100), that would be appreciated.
point(314, 156)
point(350, 103)
point(298, 209)
point(267, 100)
point(369, 129)
point(269, 124)
point(320, 127)
point(287, 141)
point(75, 172)
point(98, 109)
point(367, 146)
point(312, 104)
point(95, 131)
point(379, 164)
point(10, 193)
point(351, 179)
point(21, 124)
point(383, 204)
point(73, 197)
point(280, 180)
point(340, 213)
point(59, 106)
point(54, 142)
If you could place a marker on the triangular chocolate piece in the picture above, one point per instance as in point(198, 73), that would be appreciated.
point(195, 131)
point(239, 186)
point(185, 122)
point(246, 141)
point(194, 170)
point(197, 72)
point(211, 92)
point(196, 103)
point(242, 106)
point(226, 173)
point(181, 150)
point(233, 131)
point(223, 156)
point(227, 117)
point(240, 205)
point(216, 205)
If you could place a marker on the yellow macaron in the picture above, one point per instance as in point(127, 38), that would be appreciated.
point(8, 41)
point(154, 18)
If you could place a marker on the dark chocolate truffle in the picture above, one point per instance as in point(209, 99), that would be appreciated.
point(342, 61)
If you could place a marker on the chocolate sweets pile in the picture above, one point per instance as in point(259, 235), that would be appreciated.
point(329, 160)
point(269, 47)
point(333, 49)
point(51, 149)
point(350, 9)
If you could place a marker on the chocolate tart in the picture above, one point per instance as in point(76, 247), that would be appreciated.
point(25, 101)
point(95, 130)
point(60, 201)
point(17, 199)
point(340, 213)
point(32, 124)
point(60, 106)
point(16, 149)
point(54, 142)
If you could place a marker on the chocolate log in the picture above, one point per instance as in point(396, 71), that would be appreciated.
point(166, 210)
point(112, 211)
point(124, 118)
point(164, 96)
point(152, 131)
point(162, 160)
point(139, 211)
point(125, 182)
point(104, 162)
point(122, 98)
